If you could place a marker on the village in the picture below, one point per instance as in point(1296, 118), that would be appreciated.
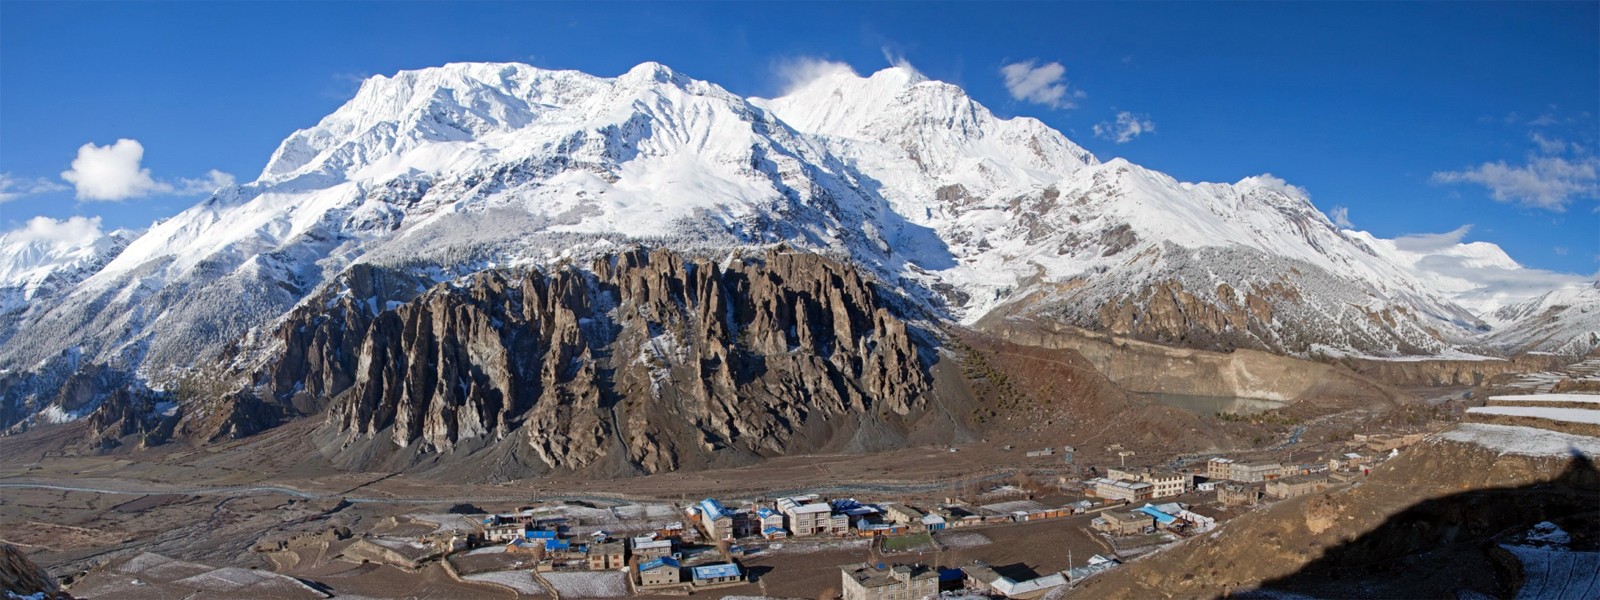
point(988, 541)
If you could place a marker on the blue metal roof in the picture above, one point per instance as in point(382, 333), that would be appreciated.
point(772, 529)
point(712, 508)
point(658, 563)
point(1161, 517)
point(715, 571)
point(557, 544)
point(539, 534)
point(765, 512)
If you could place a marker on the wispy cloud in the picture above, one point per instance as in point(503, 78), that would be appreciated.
point(115, 172)
point(1547, 144)
point(1125, 128)
point(1557, 170)
point(897, 59)
point(211, 182)
point(1044, 84)
point(16, 188)
point(1341, 217)
point(1549, 182)
point(1423, 243)
point(795, 73)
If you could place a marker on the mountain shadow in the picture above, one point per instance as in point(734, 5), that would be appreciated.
point(1446, 546)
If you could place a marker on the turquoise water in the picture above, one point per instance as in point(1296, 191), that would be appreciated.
point(1210, 405)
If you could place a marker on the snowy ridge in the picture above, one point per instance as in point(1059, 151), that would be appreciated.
point(48, 255)
point(444, 171)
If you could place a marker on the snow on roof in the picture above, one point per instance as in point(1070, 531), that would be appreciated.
point(1585, 398)
point(1567, 415)
point(714, 571)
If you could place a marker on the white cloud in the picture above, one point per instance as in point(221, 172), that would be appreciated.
point(213, 179)
point(1479, 276)
point(1341, 217)
point(1423, 243)
point(1040, 84)
point(69, 232)
point(113, 172)
point(795, 73)
point(1127, 127)
point(13, 188)
point(1549, 182)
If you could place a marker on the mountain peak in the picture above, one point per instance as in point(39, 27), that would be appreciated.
point(651, 71)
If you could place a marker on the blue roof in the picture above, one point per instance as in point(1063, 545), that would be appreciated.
point(714, 571)
point(658, 563)
point(771, 530)
point(711, 507)
point(557, 544)
point(539, 534)
point(765, 512)
point(1161, 517)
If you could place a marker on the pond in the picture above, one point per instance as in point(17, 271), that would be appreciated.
point(1211, 405)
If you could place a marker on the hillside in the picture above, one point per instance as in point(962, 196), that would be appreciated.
point(1434, 522)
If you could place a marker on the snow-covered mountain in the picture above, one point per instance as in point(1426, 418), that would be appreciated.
point(445, 171)
point(47, 256)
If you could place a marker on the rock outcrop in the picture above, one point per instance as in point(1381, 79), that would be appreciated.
point(645, 359)
point(21, 577)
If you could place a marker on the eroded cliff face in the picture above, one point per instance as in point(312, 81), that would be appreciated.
point(646, 359)
point(1139, 366)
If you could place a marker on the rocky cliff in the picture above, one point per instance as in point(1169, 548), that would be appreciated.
point(19, 577)
point(643, 360)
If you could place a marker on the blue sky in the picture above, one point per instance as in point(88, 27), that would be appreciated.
point(1413, 117)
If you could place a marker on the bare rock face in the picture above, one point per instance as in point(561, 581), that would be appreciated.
point(645, 358)
point(22, 577)
point(129, 413)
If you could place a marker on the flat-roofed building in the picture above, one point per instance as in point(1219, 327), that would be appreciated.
point(648, 548)
point(1298, 485)
point(1122, 490)
point(1252, 472)
point(1219, 468)
point(607, 555)
point(808, 516)
point(899, 582)
point(1119, 522)
point(660, 571)
point(1238, 494)
point(715, 574)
